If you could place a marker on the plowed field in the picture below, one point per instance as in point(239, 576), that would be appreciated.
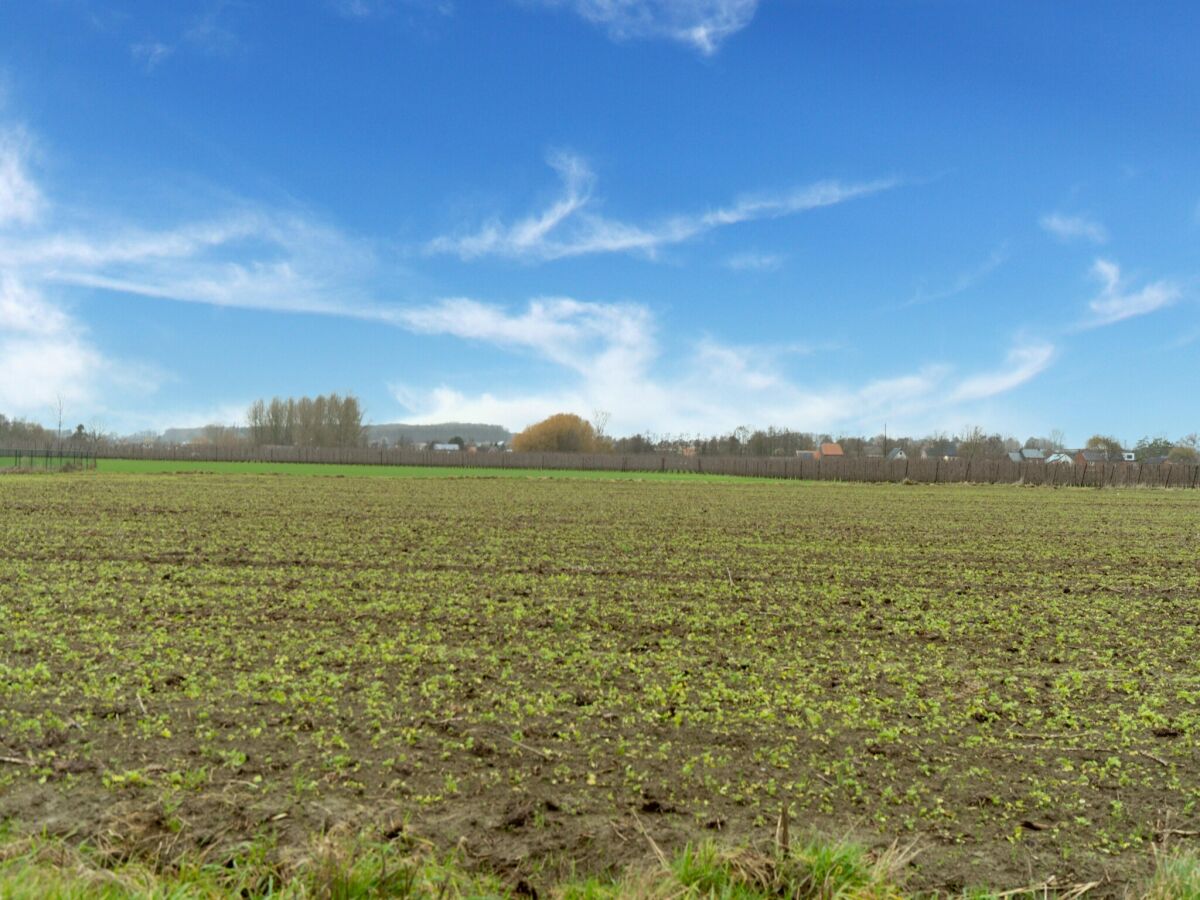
point(536, 670)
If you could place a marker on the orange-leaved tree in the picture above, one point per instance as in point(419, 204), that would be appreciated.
point(561, 433)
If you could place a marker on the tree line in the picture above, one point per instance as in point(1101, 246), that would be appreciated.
point(335, 420)
point(1185, 450)
point(568, 433)
point(323, 421)
point(22, 433)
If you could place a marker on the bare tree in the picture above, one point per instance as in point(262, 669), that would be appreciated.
point(256, 422)
point(348, 428)
point(972, 442)
point(322, 421)
point(224, 436)
point(600, 419)
point(58, 405)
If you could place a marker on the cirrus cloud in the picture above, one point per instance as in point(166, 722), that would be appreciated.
point(46, 357)
point(605, 355)
point(1071, 228)
point(1116, 302)
point(568, 227)
point(20, 199)
point(701, 24)
point(612, 360)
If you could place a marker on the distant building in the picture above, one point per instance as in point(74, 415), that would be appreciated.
point(1057, 458)
point(896, 453)
point(830, 448)
point(941, 450)
point(807, 454)
point(1091, 457)
point(1029, 454)
point(1128, 456)
point(446, 448)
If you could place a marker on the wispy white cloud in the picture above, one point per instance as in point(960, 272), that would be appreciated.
point(212, 32)
point(359, 9)
point(44, 352)
point(45, 355)
point(114, 244)
point(210, 28)
point(612, 360)
point(528, 236)
point(22, 312)
point(963, 283)
point(701, 24)
point(373, 9)
point(576, 335)
point(1184, 340)
point(1116, 302)
point(255, 259)
point(20, 200)
point(1073, 228)
point(274, 287)
point(609, 354)
point(1023, 363)
point(151, 54)
point(740, 366)
point(568, 227)
point(755, 262)
point(247, 257)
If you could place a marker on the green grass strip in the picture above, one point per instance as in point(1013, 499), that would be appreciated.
point(337, 470)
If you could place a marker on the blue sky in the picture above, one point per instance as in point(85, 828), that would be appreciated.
point(825, 215)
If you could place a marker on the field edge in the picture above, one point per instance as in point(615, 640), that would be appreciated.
point(344, 865)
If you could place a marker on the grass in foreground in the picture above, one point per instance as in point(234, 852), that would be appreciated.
point(338, 867)
point(341, 868)
point(1177, 878)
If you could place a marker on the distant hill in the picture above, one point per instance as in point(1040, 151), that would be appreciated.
point(187, 435)
point(470, 432)
point(393, 433)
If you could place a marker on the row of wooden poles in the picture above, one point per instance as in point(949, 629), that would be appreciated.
point(867, 469)
point(47, 458)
